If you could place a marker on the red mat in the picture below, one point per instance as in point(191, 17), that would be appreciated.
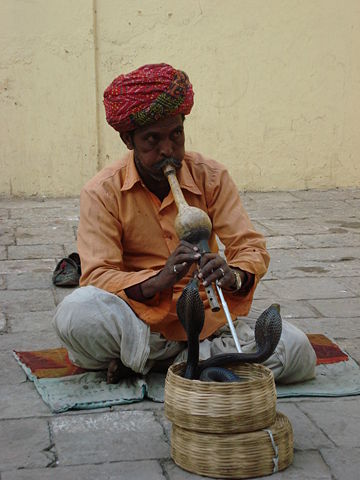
point(54, 362)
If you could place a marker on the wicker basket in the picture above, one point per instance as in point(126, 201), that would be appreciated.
point(239, 455)
point(221, 407)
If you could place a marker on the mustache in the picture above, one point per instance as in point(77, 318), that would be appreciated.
point(167, 161)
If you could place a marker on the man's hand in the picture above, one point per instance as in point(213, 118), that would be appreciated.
point(213, 267)
point(176, 267)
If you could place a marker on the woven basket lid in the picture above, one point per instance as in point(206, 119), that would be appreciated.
point(222, 407)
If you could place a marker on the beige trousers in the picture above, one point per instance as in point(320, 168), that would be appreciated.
point(96, 326)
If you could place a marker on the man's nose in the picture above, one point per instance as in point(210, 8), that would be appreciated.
point(166, 148)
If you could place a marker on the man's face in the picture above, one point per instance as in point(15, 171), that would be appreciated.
point(156, 142)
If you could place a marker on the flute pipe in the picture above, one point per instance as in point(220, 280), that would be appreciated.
point(228, 318)
point(212, 297)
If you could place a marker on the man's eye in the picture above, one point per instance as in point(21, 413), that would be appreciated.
point(151, 139)
point(177, 133)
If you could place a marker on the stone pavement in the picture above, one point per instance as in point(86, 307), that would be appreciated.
point(314, 240)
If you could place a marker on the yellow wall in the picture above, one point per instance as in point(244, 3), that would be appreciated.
point(277, 96)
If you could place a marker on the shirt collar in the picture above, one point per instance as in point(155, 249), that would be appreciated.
point(184, 176)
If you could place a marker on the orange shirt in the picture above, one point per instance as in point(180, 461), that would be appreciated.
point(126, 235)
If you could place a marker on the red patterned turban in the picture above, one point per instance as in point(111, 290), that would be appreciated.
point(146, 95)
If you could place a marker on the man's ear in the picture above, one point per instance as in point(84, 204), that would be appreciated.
point(127, 138)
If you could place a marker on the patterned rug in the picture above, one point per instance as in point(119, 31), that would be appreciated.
point(64, 386)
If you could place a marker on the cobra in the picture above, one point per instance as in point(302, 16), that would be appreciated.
point(194, 225)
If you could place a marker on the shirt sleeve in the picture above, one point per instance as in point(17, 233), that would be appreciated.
point(245, 248)
point(101, 253)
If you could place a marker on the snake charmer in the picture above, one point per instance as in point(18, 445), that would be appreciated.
point(134, 267)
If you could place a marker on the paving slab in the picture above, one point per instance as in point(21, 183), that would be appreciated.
point(309, 288)
point(41, 235)
point(337, 307)
point(10, 372)
point(131, 435)
point(25, 266)
point(30, 252)
point(3, 252)
point(307, 435)
point(339, 420)
point(340, 238)
point(289, 308)
point(24, 444)
point(344, 462)
point(31, 321)
point(7, 236)
point(31, 340)
point(3, 323)
point(17, 301)
point(28, 280)
point(21, 401)
point(352, 345)
point(346, 328)
point(139, 470)
point(284, 242)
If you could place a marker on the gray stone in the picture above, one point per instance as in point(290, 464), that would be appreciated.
point(339, 420)
point(30, 340)
point(326, 262)
point(323, 196)
point(332, 327)
point(28, 402)
point(353, 284)
point(289, 308)
point(14, 301)
point(28, 281)
point(131, 435)
point(47, 214)
point(309, 288)
point(31, 321)
point(43, 235)
point(344, 463)
point(24, 444)
point(340, 237)
point(351, 345)
point(4, 213)
point(262, 291)
point(338, 307)
point(283, 241)
point(264, 198)
point(29, 252)
point(25, 266)
point(307, 435)
point(3, 323)
point(10, 373)
point(2, 282)
point(139, 470)
point(293, 226)
point(7, 236)
point(3, 252)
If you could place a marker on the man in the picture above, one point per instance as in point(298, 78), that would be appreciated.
point(134, 267)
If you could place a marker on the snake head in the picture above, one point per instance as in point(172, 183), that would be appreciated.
point(268, 329)
point(190, 309)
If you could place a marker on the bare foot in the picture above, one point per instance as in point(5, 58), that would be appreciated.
point(117, 371)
